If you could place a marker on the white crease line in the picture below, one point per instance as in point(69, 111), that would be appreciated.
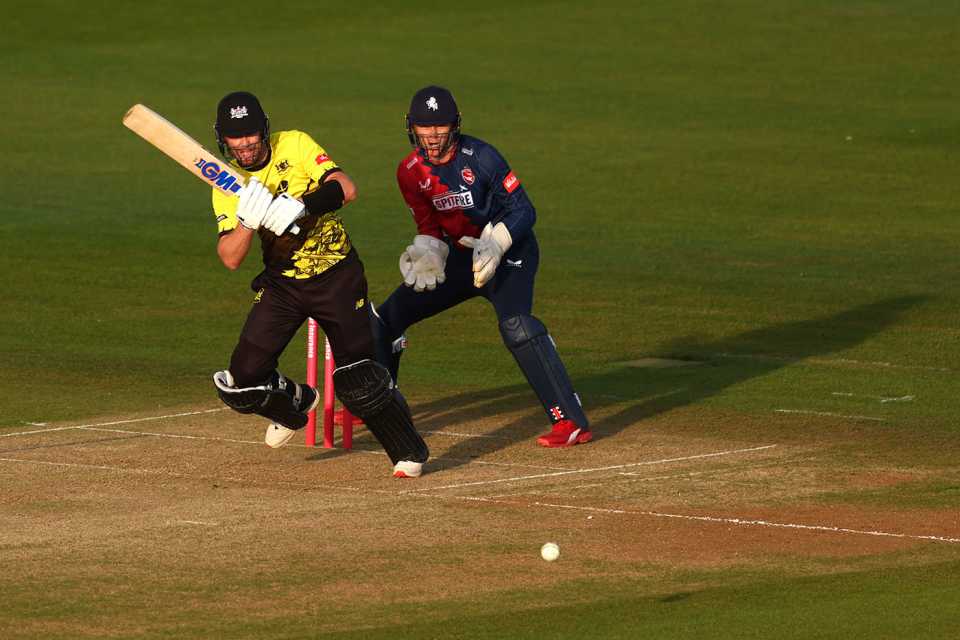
point(828, 413)
point(828, 361)
point(881, 399)
point(753, 523)
point(595, 469)
point(107, 424)
point(27, 433)
point(171, 435)
point(104, 467)
point(303, 446)
point(634, 476)
point(433, 461)
point(462, 435)
point(655, 514)
point(65, 464)
point(198, 522)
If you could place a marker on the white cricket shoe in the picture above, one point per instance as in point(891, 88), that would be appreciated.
point(407, 469)
point(278, 435)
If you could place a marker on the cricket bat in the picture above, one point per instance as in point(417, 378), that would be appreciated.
point(187, 152)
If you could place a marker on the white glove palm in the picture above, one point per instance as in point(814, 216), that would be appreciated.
point(488, 250)
point(254, 200)
point(282, 213)
point(422, 264)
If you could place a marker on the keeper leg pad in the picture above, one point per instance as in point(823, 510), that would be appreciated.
point(536, 354)
point(366, 389)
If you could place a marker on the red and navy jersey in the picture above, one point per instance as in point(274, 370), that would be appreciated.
point(460, 197)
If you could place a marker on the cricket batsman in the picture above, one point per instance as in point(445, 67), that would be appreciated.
point(311, 270)
point(474, 238)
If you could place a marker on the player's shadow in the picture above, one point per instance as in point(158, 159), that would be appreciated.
point(637, 393)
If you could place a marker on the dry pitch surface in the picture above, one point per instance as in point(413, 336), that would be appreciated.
point(172, 519)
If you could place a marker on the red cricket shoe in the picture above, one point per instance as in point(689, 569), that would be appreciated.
point(565, 434)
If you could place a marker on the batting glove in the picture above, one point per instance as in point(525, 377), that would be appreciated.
point(282, 213)
point(254, 200)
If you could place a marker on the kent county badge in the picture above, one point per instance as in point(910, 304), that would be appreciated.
point(467, 175)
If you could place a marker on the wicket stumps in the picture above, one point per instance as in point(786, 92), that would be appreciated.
point(330, 415)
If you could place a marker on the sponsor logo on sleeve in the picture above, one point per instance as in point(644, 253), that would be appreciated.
point(511, 182)
point(467, 174)
point(323, 158)
point(467, 150)
point(412, 161)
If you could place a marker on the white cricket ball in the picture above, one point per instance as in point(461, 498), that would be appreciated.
point(550, 551)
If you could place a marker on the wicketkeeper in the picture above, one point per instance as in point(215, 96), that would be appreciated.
point(312, 270)
point(474, 238)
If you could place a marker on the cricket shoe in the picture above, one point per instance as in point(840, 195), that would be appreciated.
point(565, 434)
point(407, 469)
point(278, 435)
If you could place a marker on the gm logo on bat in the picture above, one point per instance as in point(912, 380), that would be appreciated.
point(218, 177)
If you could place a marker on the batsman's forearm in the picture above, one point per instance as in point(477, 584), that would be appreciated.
point(233, 247)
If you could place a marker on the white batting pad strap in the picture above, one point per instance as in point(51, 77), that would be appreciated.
point(224, 381)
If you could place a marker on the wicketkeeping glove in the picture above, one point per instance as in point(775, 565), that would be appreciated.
point(422, 264)
point(488, 250)
point(254, 200)
point(282, 213)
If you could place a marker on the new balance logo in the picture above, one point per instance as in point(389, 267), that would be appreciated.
point(514, 263)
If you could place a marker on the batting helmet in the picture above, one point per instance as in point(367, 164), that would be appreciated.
point(240, 114)
point(433, 106)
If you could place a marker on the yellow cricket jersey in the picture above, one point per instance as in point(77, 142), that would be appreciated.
point(297, 165)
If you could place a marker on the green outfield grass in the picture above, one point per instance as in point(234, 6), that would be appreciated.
point(765, 189)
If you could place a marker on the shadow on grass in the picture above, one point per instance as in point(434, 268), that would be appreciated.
point(648, 392)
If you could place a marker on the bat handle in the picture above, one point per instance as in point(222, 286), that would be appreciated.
point(294, 229)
